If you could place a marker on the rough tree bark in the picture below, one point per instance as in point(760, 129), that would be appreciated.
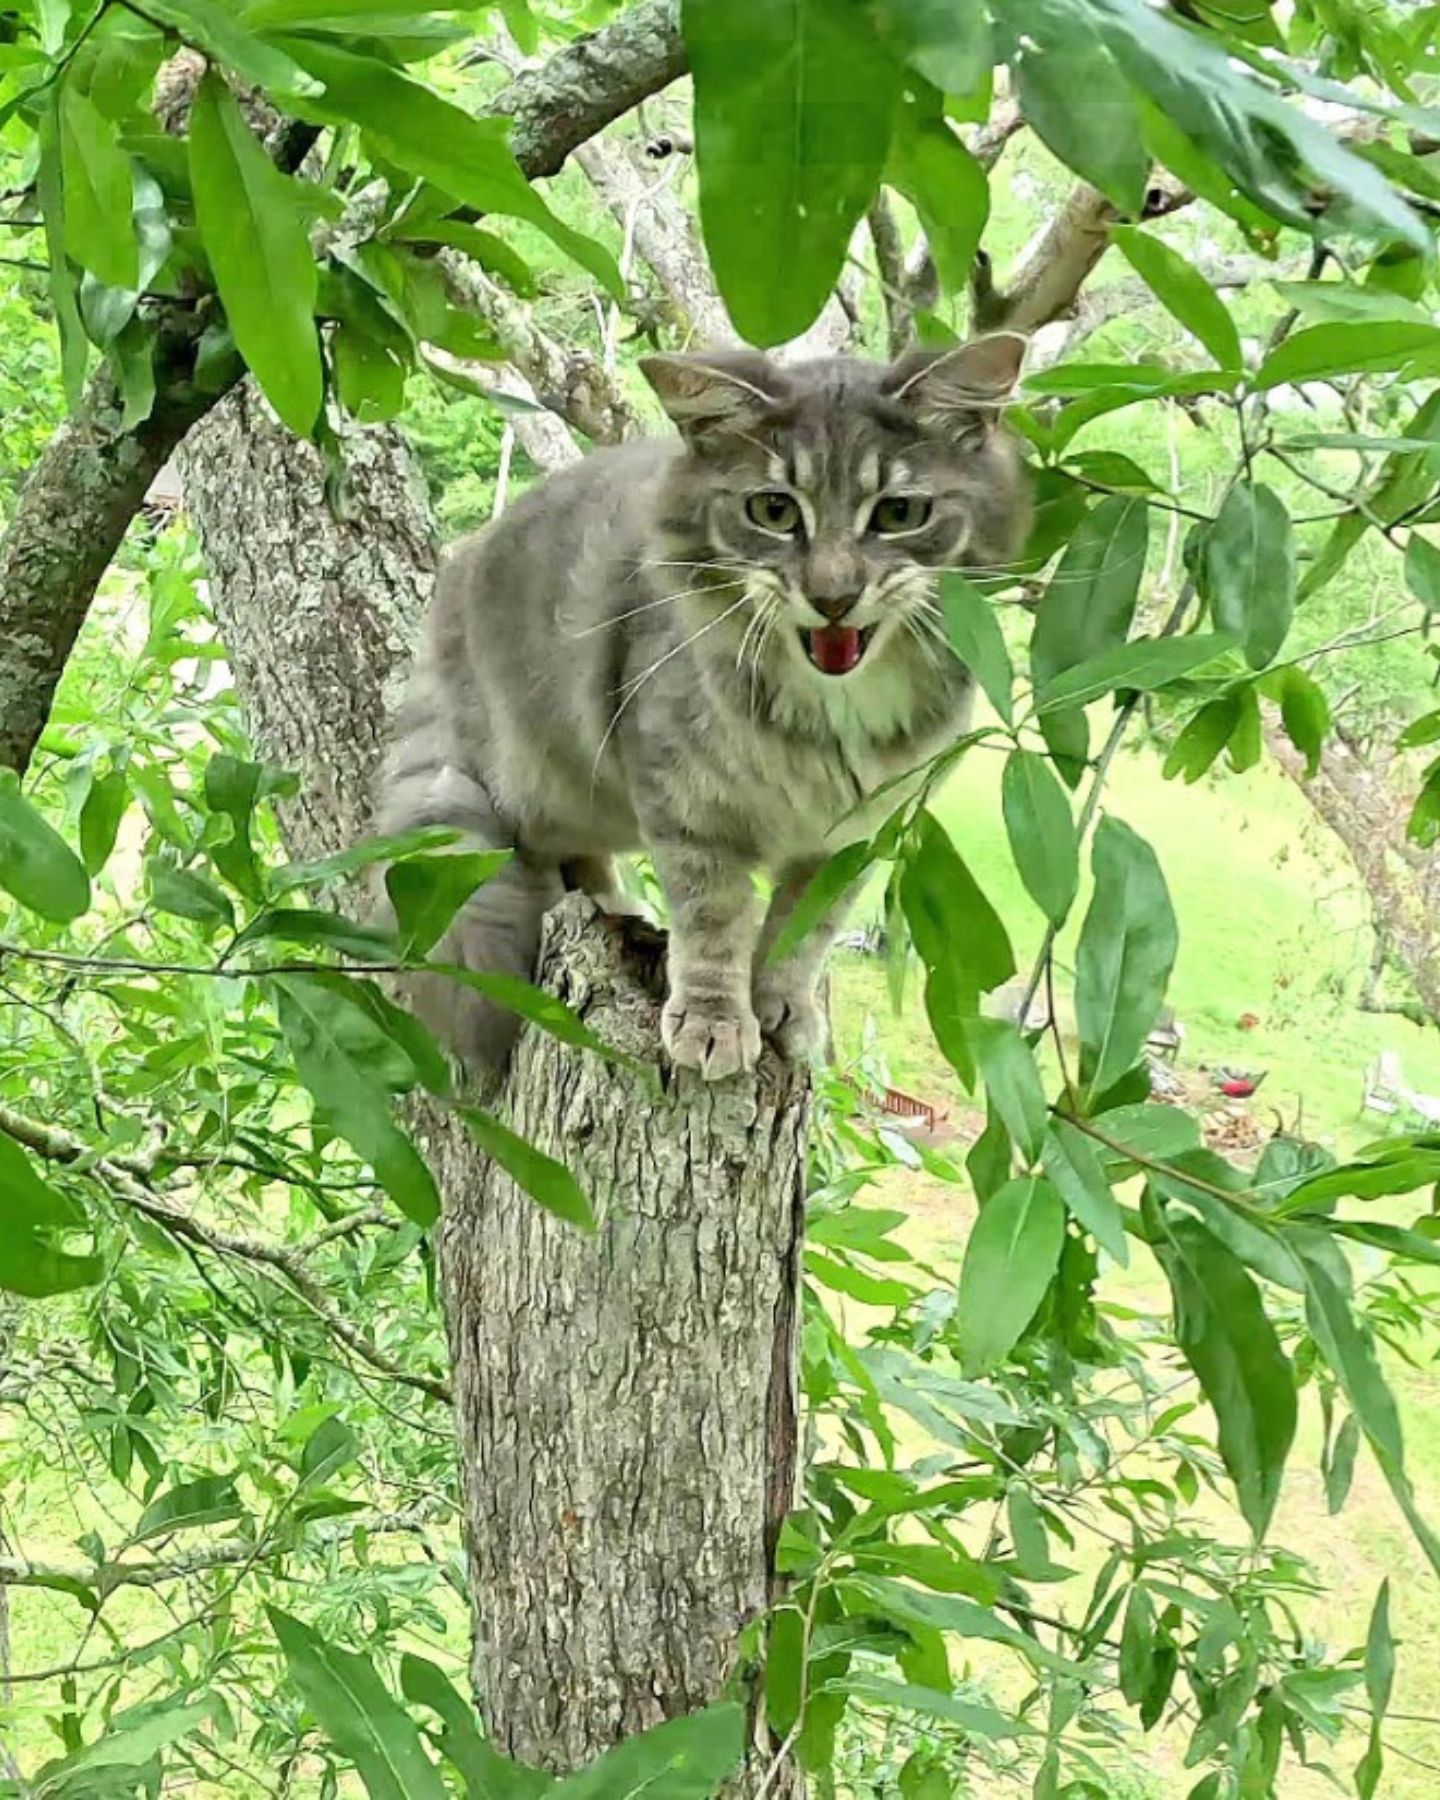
point(75, 507)
point(625, 1402)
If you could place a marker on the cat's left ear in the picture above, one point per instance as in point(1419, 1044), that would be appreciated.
point(960, 392)
point(715, 390)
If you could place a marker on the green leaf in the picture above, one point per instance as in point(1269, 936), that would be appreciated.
point(546, 1181)
point(533, 1004)
point(189, 896)
point(1379, 1684)
point(1422, 571)
point(1203, 738)
point(364, 855)
point(99, 192)
point(332, 1446)
point(1347, 1346)
point(493, 253)
point(953, 1613)
point(256, 239)
point(26, 1201)
point(1247, 570)
point(1090, 600)
point(1010, 1260)
point(37, 867)
point(100, 818)
point(428, 136)
point(1340, 1472)
point(1305, 714)
point(487, 1774)
point(794, 108)
point(1126, 952)
point(1369, 347)
point(1041, 829)
point(352, 1066)
point(1137, 1646)
point(428, 891)
point(1246, 741)
point(971, 1716)
point(1073, 1165)
point(50, 192)
point(957, 934)
point(307, 925)
point(825, 889)
point(132, 353)
point(948, 45)
point(1057, 55)
point(1012, 1083)
point(369, 375)
point(844, 1278)
point(208, 1500)
point(1274, 153)
point(979, 643)
point(232, 787)
point(1403, 482)
point(30, 1209)
point(1228, 1340)
point(688, 1758)
point(32, 1267)
point(1143, 664)
point(944, 183)
point(211, 26)
point(128, 1749)
point(357, 1713)
point(1380, 1655)
point(1183, 291)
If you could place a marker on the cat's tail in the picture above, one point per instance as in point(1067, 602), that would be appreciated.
point(498, 928)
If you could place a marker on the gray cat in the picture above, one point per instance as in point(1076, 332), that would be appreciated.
point(714, 649)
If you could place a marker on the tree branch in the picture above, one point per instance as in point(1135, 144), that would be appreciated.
point(103, 1578)
point(1058, 262)
point(125, 1185)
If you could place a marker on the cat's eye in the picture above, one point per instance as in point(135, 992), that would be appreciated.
point(773, 510)
point(894, 513)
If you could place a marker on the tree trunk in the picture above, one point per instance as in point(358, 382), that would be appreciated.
point(625, 1401)
point(1367, 811)
point(70, 517)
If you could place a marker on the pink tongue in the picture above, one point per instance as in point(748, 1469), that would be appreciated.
point(836, 649)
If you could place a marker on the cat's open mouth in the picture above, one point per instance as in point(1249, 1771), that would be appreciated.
point(838, 648)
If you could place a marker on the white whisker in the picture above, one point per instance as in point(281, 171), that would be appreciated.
point(712, 587)
point(659, 663)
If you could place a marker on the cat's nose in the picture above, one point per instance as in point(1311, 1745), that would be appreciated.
point(834, 581)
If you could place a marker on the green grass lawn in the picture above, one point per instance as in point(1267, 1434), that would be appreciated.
point(1273, 922)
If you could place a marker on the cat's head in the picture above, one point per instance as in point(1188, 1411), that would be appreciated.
point(836, 490)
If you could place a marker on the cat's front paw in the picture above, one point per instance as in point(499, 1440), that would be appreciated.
point(713, 1036)
point(793, 1020)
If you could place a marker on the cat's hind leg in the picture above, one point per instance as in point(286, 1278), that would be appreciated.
point(498, 928)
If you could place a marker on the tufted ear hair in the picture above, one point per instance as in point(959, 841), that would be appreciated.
point(715, 390)
point(959, 392)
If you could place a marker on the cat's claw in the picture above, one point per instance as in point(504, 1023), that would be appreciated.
point(793, 1023)
point(716, 1043)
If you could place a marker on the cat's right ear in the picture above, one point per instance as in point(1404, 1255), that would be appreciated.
point(715, 391)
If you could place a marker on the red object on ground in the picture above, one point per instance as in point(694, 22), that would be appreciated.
point(1248, 1021)
point(1238, 1088)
